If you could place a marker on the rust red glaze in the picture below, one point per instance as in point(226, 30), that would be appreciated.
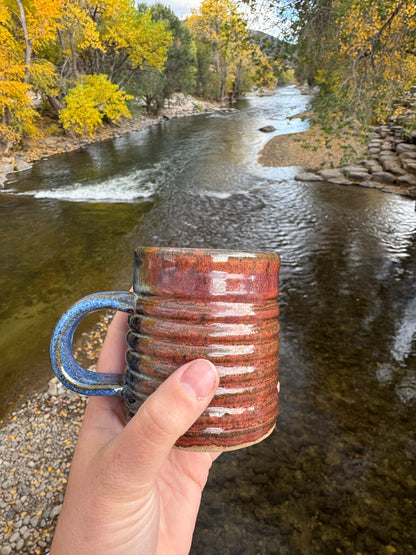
point(214, 304)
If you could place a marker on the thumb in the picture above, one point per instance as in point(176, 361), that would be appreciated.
point(166, 415)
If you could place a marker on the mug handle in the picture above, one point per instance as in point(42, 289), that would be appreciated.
point(66, 368)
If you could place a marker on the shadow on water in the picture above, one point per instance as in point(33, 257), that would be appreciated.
point(337, 475)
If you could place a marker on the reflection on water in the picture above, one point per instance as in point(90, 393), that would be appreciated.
point(337, 475)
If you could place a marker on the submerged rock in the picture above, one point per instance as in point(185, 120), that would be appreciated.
point(267, 129)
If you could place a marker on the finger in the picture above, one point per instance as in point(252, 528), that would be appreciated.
point(113, 352)
point(165, 416)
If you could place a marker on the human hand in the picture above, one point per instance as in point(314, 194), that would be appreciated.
point(129, 490)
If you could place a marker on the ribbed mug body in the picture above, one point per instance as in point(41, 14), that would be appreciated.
point(214, 304)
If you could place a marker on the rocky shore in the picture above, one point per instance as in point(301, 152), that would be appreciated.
point(389, 165)
point(48, 145)
point(37, 442)
point(384, 159)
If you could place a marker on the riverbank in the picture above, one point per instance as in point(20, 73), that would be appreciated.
point(47, 145)
point(37, 442)
point(385, 158)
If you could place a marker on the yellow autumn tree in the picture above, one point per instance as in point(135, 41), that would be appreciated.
point(25, 28)
point(235, 57)
point(90, 101)
point(371, 60)
point(109, 37)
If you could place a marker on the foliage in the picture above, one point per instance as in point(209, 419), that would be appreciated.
point(60, 52)
point(362, 53)
point(236, 61)
point(90, 101)
point(178, 72)
point(46, 45)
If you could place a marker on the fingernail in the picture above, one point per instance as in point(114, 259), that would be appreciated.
point(199, 378)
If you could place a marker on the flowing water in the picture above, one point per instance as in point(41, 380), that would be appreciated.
point(337, 475)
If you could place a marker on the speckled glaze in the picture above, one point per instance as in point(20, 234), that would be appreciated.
point(187, 304)
point(214, 304)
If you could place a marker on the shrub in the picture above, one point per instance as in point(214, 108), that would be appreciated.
point(90, 101)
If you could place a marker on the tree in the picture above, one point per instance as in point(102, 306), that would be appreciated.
point(223, 33)
point(25, 28)
point(178, 72)
point(91, 101)
point(362, 53)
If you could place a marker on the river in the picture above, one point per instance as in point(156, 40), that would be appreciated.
point(337, 475)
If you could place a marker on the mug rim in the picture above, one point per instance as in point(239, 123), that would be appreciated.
point(206, 250)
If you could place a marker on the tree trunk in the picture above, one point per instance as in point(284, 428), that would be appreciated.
point(28, 41)
point(56, 104)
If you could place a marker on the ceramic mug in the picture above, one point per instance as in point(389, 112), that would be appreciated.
point(192, 303)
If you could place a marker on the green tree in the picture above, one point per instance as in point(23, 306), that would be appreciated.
point(178, 72)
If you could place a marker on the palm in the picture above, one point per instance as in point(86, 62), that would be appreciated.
point(180, 484)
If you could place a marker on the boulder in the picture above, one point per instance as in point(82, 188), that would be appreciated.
point(22, 166)
point(358, 176)
point(267, 129)
point(329, 173)
point(308, 176)
point(407, 180)
point(373, 166)
point(384, 177)
point(410, 165)
point(405, 147)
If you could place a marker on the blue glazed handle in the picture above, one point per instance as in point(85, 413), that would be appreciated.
point(66, 368)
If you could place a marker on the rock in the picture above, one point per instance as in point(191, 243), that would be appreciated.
point(55, 511)
point(373, 165)
point(351, 168)
point(55, 387)
point(384, 177)
point(267, 129)
point(328, 174)
point(23, 166)
point(408, 154)
point(410, 166)
point(393, 167)
point(308, 176)
point(14, 537)
point(358, 176)
point(7, 550)
point(408, 179)
point(405, 147)
point(34, 521)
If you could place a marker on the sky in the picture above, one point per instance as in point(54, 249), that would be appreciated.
point(264, 19)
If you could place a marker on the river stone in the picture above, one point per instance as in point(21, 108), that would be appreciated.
point(410, 166)
point(23, 166)
point(357, 168)
point(408, 179)
point(267, 129)
point(373, 165)
point(393, 167)
point(407, 156)
point(358, 176)
point(405, 147)
point(328, 174)
point(308, 176)
point(384, 177)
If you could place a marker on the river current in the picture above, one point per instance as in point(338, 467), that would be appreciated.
point(337, 475)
